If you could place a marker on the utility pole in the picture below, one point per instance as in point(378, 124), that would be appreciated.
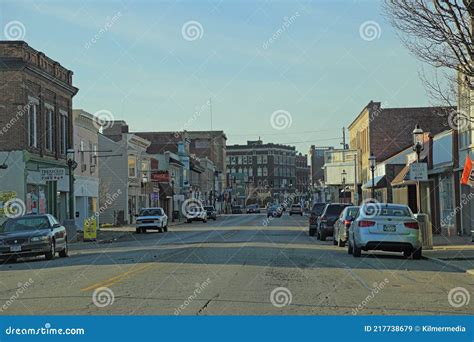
point(343, 138)
point(210, 109)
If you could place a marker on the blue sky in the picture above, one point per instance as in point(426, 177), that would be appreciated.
point(141, 68)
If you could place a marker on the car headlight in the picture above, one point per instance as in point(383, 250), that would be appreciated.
point(40, 238)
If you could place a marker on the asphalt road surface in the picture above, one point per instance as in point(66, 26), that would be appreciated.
point(234, 266)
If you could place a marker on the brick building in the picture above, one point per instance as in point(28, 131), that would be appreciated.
point(270, 166)
point(36, 126)
point(387, 131)
point(303, 173)
point(316, 162)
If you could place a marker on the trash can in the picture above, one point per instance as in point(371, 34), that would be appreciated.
point(176, 215)
point(425, 230)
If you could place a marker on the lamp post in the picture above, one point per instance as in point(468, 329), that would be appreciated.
point(344, 174)
point(418, 146)
point(372, 170)
point(172, 199)
point(144, 183)
point(71, 163)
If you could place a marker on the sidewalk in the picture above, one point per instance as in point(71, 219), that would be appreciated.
point(453, 252)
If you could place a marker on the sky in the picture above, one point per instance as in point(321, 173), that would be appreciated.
point(291, 72)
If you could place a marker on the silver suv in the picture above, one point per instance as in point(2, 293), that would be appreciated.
point(385, 227)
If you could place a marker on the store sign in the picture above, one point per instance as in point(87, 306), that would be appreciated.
point(160, 176)
point(53, 174)
point(154, 196)
point(419, 171)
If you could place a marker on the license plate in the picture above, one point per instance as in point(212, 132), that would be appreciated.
point(389, 228)
point(15, 248)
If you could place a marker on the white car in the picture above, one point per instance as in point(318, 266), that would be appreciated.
point(385, 227)
point(151, 218)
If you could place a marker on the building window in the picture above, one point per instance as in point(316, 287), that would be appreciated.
point(132, 166)
point(227, 160)
point(232, 160)
point(244, 159)
point(259, 159)
point(239, 160)
point(265, 171)
point(49, 128)
point(264, 159)
point(32, 124)
point(63, 132)
point(259, 172)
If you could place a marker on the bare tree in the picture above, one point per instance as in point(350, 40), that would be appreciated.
point(440, 33)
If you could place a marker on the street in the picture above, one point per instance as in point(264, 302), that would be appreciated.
point(236, 265)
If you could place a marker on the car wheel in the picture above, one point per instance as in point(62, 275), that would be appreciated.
point(406, 254)
point(12, 259)
point(65, 252)
point(301, 214)
point(188, 221)
point(204, 221)
point(52, 252)
point(318, 235)
point(291, 214)
point(334, 241)
point(341, 243)
point(138, 230)
point(350, 250)
point(165, 228)
point(143, 230)
point(322, 236)
point(312, 232)
point(356, 252)
point(417, 254)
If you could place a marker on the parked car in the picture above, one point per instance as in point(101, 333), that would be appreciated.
point(327, 219)
point(253, 209)
point(385, 227)
point(211, 212)
point(32, 235)
point(343, 224)
point(151, 218)
point(316, 211)
point(274, 211)
point(296, 209)
point(237, 209)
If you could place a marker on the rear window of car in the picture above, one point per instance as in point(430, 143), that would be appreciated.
point(318, 208)
point(352, 212)
point(151, 212)
point(25, 223)
point(396, 211)
point(335, 209)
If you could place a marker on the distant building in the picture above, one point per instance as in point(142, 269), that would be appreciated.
point(316, 162)
point(265, 166)
point(36, 114)
point(303, 173)
point(86, 186)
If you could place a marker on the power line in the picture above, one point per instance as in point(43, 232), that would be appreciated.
point(293, 133)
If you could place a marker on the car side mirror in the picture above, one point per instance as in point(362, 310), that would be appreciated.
point(350, 218)
point(56, 225)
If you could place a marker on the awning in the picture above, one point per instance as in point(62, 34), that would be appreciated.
point(402, 178)
point(379, 182)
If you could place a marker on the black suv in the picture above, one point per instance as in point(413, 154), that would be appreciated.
point(211, 212)
point(328, 218)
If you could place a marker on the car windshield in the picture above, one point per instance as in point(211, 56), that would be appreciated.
point(25, 223)
point(387, 210)
point(151, 212)
point(335, 209)
point(318, 208)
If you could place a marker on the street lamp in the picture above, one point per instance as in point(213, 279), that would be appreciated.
point(344, 174)
point(172, 199)
point(418, 145)
point(372, 170)
point(71, 163)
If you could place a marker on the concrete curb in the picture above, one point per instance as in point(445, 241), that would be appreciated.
point(447, 264)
